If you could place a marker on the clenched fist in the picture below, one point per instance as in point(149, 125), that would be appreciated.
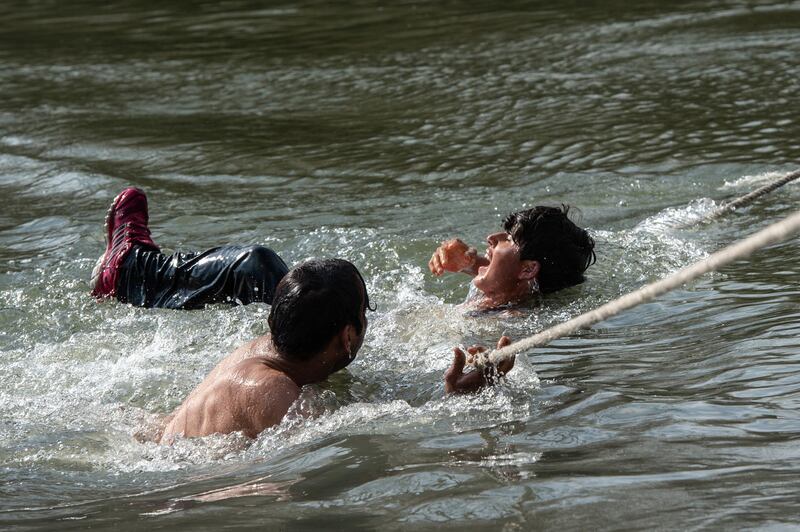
point(453, 256)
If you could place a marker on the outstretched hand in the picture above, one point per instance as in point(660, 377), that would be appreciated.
point(453, 256)
point(456, 381)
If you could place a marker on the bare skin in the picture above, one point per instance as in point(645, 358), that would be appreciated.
point(500, 274)
point(253, 387)
point(245, 392)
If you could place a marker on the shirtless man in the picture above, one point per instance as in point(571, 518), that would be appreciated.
point(540, 250)
point(318, 322)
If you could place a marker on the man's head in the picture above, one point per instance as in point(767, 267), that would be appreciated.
point(538, 246)
point(316, 302)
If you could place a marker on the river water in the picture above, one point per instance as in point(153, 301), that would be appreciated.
point(372, 131)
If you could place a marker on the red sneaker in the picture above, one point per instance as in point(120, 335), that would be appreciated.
point(126, 225)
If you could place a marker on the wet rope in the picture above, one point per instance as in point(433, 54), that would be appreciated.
point(777, 232)
point(747, 199)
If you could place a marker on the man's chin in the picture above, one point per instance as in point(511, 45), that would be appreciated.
point(478, 283)
point(343, 363)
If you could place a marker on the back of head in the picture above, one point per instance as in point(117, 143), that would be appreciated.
point(547, 235)
point(312, 303)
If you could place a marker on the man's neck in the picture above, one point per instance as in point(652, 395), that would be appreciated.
point(300, 371)
point(514, 295)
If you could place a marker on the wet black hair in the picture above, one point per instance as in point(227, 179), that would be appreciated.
point(313, 302)
point(547, 235)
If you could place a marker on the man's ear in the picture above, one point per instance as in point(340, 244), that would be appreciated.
point(347, 336)
point(530, 269)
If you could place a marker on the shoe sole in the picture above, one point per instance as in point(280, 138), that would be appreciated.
point(112, 211)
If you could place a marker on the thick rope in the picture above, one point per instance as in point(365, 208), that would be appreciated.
point(777, 232)
point(747, 199)
point(742, 201)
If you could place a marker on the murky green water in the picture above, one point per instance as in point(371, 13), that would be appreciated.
point(372, 132)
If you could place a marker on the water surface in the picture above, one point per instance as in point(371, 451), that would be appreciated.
point(372, 132)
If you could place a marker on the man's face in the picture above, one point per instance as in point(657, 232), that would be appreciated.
point(502, 273)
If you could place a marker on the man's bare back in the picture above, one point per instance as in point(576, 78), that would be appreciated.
point(245, 392)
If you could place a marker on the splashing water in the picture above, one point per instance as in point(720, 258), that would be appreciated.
point(373, 132)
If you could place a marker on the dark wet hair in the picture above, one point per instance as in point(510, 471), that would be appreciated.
point(313, 302)
point(547, 235)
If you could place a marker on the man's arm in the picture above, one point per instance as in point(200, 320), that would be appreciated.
point(456, 256)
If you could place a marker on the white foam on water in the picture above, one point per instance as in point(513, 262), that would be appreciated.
point(666, 221)
point(393, 417)
point(755, 180)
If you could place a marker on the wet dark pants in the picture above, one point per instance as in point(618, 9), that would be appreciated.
point(228, 274)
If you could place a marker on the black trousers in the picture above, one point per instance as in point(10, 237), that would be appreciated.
point(238, 275)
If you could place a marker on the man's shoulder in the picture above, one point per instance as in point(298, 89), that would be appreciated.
point(256, 372)
point(247, 350)
point(264, 393)
point(251, 348)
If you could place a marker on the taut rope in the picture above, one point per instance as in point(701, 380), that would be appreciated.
point(777, 232)
point(747, 199)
